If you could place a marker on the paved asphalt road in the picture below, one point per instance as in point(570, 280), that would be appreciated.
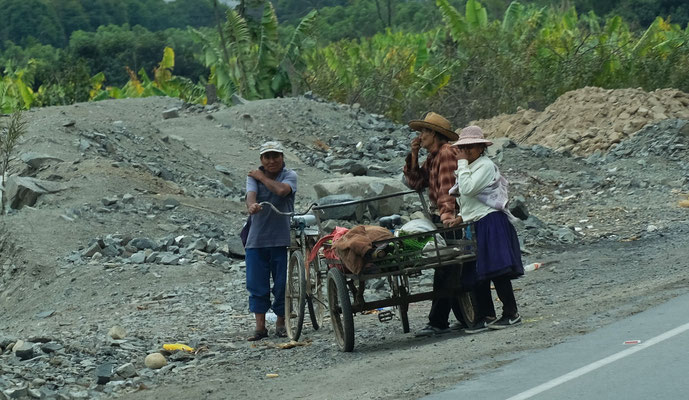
point(642, 357)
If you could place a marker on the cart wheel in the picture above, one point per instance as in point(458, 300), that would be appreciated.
point(314, 299)
point(467, 305)
point(340, 310)
point(295, 295)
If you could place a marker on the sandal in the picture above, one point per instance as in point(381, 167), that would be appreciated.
point(280, 331)
point(258, 335)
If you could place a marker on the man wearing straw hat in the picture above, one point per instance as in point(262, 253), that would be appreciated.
point(437, 174)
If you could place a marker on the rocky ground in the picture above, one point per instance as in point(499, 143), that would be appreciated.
point(133, 244)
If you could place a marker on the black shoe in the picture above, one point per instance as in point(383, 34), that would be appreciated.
point(506, 322)
point(430, 330)
point(458, 326)
point(481, 326)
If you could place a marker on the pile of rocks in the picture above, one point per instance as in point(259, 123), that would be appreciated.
point(669, 139)
point(589, 119)
point(210, 246)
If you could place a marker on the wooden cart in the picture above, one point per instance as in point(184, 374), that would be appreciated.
point(345, 290)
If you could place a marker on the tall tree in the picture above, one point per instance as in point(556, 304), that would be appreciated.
point(71, 15)
point(104, 12)
point(23, 19)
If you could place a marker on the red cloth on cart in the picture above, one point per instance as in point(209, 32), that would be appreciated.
point(337, 233)
point(353, 246)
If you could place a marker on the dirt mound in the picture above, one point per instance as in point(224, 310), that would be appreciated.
point(589, 119)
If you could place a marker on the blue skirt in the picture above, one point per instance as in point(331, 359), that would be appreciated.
point(498, 253)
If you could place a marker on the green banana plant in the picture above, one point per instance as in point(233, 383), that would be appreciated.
point(476, 15)
point(514, 15)
point(299, 41)
point(141, 85)
point(454, 21)
point(15, 93)
point(254, 69)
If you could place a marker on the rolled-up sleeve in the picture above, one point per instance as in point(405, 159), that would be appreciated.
point(251, 185)
point(291, 179)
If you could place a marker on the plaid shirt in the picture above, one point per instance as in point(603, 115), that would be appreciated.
point(437, 173)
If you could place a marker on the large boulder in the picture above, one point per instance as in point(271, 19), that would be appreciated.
point(350, 212)
point(348, 166)
point(36, 160)
point(366, 187)
point(23, 191)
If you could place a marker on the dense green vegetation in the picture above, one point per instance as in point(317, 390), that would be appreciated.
point(63, 74)
point(58, 44)
point(476, 67)
point(462, 58)
point(350, 19)
point(52, 22)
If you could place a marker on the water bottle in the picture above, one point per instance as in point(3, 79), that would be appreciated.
point(271, 317)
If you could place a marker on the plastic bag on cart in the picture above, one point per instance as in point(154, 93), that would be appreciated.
point(443, 250)
point(419, 226)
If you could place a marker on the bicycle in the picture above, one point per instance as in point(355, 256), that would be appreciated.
point(303, 283)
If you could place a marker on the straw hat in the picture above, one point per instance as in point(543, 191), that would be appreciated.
point(471, 135)
point(435, 122)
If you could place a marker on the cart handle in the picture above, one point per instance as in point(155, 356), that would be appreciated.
point(351, 202)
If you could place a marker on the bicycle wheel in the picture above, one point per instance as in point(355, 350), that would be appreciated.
point(314, 298)
point(295, 295)
point(340, 310)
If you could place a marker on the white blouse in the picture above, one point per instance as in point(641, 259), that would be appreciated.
point(471, 180)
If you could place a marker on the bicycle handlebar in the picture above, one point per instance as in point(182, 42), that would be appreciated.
point(290, 214)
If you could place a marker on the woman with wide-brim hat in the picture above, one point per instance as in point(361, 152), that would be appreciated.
point(483, 199)
point(437, 174)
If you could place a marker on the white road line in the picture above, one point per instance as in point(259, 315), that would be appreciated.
point(597, 364)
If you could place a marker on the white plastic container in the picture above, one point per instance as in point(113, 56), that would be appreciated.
point(532, 267)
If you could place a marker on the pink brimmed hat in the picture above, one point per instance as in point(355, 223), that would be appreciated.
point(434, 122)
point(471, 135)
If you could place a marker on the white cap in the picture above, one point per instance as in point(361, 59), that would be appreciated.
point(267, 147)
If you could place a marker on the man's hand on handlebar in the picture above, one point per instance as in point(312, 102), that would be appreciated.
point(255, 208)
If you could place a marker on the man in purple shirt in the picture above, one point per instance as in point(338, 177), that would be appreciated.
point(269, 236)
